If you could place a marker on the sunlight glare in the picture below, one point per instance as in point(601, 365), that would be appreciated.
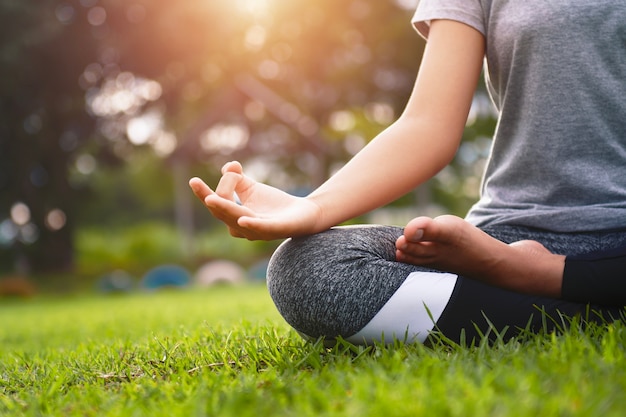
point(252, 6)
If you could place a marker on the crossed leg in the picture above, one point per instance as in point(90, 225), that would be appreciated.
point(347, 282)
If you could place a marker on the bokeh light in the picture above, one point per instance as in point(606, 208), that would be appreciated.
point(97, 16)
point(143, 128)
point(225, 138)
point(55, 220)
point(20, 214)
point(86, 164)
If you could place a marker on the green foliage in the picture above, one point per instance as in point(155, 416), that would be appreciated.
point(226, 352)
point(137, 248)
point(219, 244)
point(141, 189)
point(131, 249)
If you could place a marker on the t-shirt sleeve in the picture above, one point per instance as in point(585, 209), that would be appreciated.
point(469, 12)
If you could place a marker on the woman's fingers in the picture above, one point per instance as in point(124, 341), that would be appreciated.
point(226, 210)
point(238, 201)
point(199, 188)
point(233, 166)
point(227, 185)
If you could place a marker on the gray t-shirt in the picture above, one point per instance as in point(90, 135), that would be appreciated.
point(556, 72)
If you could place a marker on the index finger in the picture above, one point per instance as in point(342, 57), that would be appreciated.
point(199, 188)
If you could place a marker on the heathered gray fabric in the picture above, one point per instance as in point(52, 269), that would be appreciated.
point(556, 71)
point(335, 282)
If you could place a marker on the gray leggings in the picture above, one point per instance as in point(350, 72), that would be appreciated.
point(336, 282)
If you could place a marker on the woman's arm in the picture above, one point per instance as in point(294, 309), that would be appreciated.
point(422, 141)
point(414, 148)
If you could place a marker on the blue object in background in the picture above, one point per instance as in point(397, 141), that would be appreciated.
point(258, 271)
point(166, 276)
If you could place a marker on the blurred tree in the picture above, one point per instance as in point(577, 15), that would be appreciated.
point(267, 76)
point(44, 47)
point(293, 89)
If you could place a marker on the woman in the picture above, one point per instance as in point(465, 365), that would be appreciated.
point(556, 72)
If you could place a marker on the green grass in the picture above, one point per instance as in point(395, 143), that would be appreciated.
point(226, 352)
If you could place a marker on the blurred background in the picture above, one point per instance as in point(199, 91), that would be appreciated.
point(108, 107)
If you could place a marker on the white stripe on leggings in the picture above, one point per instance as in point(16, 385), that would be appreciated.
point(407, 314)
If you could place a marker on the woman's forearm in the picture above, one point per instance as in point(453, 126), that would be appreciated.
point(413, 149)
point(395, 162)
point(425, 137)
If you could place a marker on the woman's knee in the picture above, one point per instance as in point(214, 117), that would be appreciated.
point(333, 283)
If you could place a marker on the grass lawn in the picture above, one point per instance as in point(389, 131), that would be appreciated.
point(226, 352)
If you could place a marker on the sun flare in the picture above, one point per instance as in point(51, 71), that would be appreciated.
point(253, 6)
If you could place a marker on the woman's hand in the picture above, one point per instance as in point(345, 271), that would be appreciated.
point(261, 212)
